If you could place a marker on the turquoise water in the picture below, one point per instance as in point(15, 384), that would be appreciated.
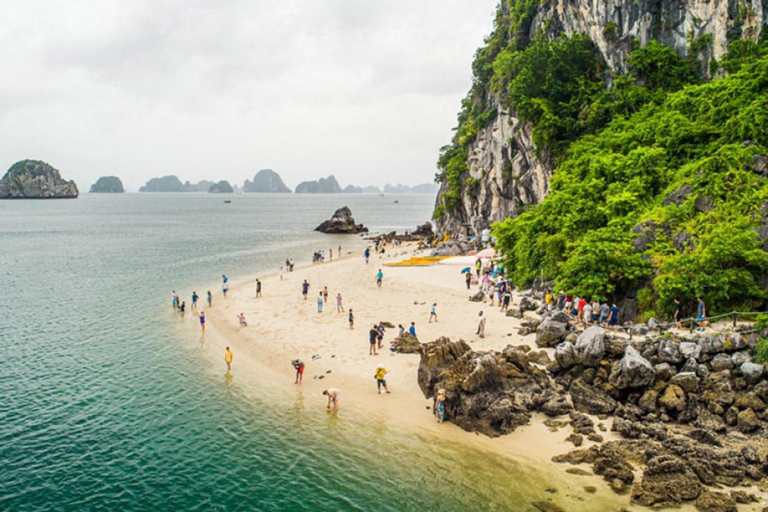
point(107, 403)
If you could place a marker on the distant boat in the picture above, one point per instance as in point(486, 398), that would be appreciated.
point(397, 202)
point(227, 201)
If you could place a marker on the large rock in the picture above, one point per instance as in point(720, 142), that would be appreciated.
point(673, 398)
point(565, 355)
point(712, 501)
point(550, 332)
point(690, 350)
point(590, 345)
point(753, 372)
point(746, 421)
point(632, 371)
point(688, 381)
point(664, 371)
point(436, 357)
point(590, 400)
point(33, 179)
point(107, 185)
point(667, 482)
point(408, 344)
point(669, 352)
point(342, 223)
point(721, 362)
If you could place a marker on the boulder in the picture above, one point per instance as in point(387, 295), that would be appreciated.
point(739, 358)
point(753, 372)
point(669, 352)
point(648, 401)
point(666, 482)
point(557, 406)
point(479, 297)
point(565, 355)
point(673, 398)
point(746, 421)
point(734, 341)
point(436, 357)
point(721, 362)
point(712, 501)
point(664, 371)
point(408, 344)
point(652, 324)
point(689, 350)
point(688, 381)
point(590, 400)
point(590, 345)
point(632, 371)
point(690, 366)
point(550, 332)
point(341, 223)
point(750, 400)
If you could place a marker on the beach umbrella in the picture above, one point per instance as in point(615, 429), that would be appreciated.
point(486, 254)
point(465, 270)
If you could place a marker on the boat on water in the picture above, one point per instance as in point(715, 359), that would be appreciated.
point(227, 201)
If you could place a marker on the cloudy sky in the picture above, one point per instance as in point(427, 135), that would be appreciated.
point(367, 90)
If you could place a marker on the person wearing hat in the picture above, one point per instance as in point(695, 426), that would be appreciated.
point(380, 381)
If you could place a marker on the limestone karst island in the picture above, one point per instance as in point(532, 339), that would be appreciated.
point(465, 255)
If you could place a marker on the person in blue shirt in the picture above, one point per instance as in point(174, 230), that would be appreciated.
point(412, 329)
point(379, 278)
point(701, 312)
point(367, 254)
point(614, 315)
point(194, 301)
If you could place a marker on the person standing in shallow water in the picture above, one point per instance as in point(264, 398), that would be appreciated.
point(194, 301)
point(202, 321)
point(333, 399)
point(299, 366)
point(228, 358)
point(209, 296)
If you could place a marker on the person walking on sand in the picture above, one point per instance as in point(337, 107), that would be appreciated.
point(433, 313)
point(225, 288)
point(330, 254)
point(333, 395)
point(367, 254)
point(209, 296)
point(320, 302)
point(468, 279)
point(351, 320)
point(258, 288)
point(305, 289)
point(228, 358)
point(439, 406)
point(379, 278)
point(678, 315)
point(299, 366)
point(701, 312)
point(381, 382)
point(280, 273)
point(325, 295)
point(373, 335)
point(339, 304)
point(339, 253)
point(202, 321)
point(481, 325)
point(194, 301)
point(507, 299)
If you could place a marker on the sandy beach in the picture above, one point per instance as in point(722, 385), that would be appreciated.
point(283, 326)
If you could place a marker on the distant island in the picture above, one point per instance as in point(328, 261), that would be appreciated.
point(327, 185)
point(425, 188)
point(352, 189)
point(222, 187)
point(107, 185)
point(266, 181)
point(33, 179)
point(174, 184)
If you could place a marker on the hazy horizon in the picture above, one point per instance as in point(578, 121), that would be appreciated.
point(139, 89)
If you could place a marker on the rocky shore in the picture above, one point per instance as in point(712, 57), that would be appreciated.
point(688, 410)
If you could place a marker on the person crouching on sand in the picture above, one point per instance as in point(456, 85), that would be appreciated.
point(299, 366)
point(228, 358)
point(333, 398)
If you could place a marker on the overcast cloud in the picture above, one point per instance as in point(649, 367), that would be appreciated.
point(365, 90)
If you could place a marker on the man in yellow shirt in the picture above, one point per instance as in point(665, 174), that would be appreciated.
point(228, 358)
point(380, 381)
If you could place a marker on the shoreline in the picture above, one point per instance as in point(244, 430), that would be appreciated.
point(282, 326)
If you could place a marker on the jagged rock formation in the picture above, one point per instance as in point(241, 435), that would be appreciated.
point(33, 179)
point(222, 187)
point(164, 184)
point(200, 186)
point(506, 172)
point(266, 181)
point(107, 185)
point(351, 189)
point(342, 223)
point(327, 185)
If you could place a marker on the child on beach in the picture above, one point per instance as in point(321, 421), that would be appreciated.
point(242, 320)
point(202, 321)
point(320, 302)
point(379, 277)
point(228, 358)
point(433, 313)
point(209, 296)
point(339, 305)
point(325, 295)
point(333, 398)
point(380, 381)
point(305, 289)
point(351, 320)
point(299, 366)
point(439, 406)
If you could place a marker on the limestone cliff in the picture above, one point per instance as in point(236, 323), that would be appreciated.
point(504, 171)
point(33, 179)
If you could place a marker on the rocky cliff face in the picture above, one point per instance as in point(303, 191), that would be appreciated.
point(266, 181)
point(327, 185)
point(107, 185)
point(505, 169)
point(33, 179)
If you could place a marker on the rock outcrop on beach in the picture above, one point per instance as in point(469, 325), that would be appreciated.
point(342, 223)
point(222, 187)
point(266, 181)
point(107, 185)
point(327, 185)
point(33, 179)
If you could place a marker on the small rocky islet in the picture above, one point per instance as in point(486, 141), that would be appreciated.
point(34, 179)
point(107, 185)
point(690, 408)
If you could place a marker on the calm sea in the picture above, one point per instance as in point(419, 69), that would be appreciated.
point(106, 403)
